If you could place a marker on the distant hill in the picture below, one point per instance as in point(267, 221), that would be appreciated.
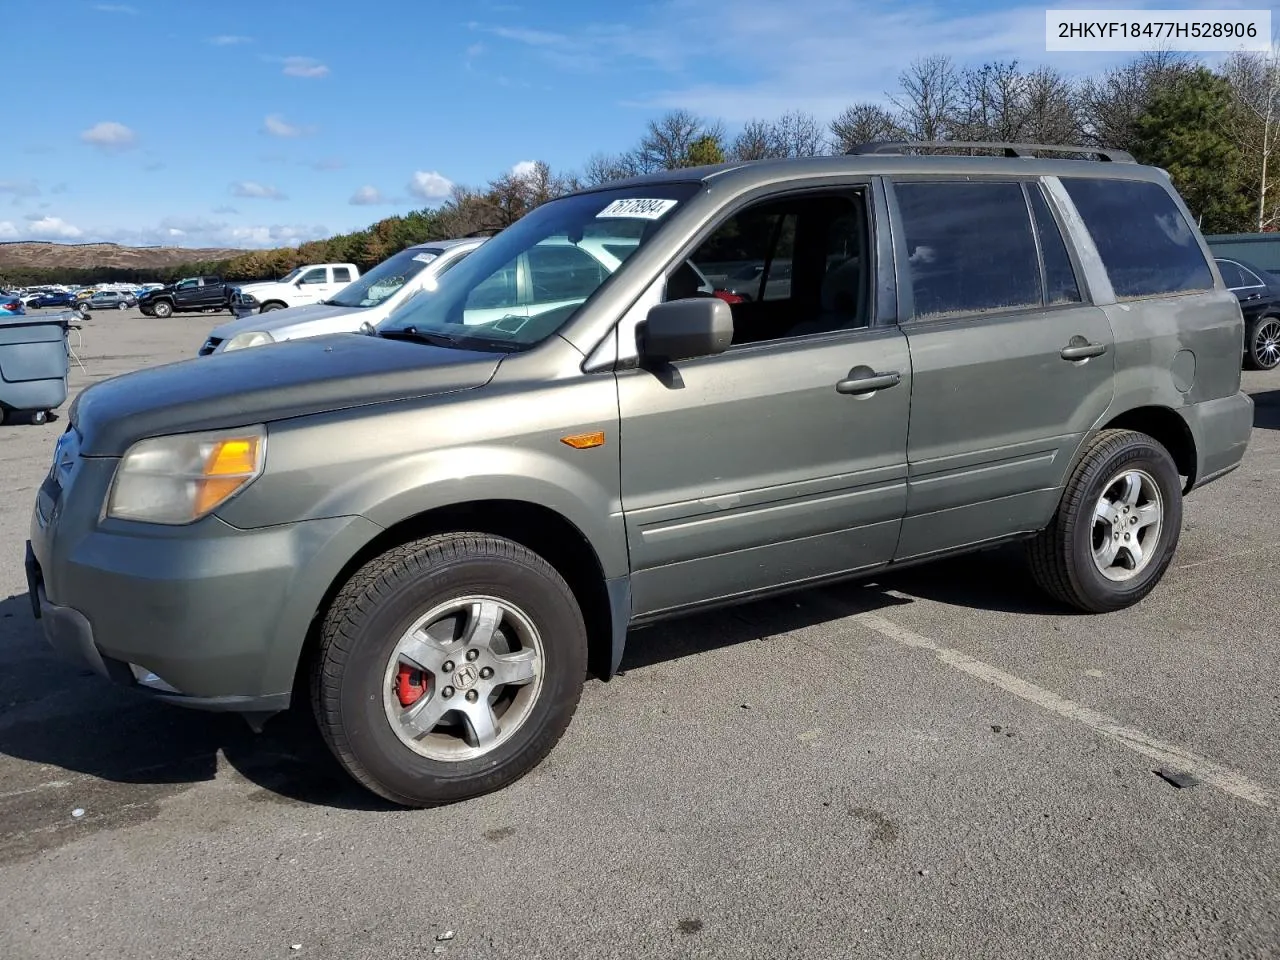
point(87, 256)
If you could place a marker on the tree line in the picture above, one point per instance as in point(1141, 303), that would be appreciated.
point(1214, 131)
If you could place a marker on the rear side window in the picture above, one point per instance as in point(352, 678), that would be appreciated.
point(1146, 244)
point(970, 247)
point(1059, 277)
point(1232, 275)
point(341, 275)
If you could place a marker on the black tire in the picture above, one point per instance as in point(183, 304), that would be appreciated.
point(122, 306)
point(39, 417)
point(1061, 556)
point(163, 309)
point(1262, 343)
point(380, 603)
point(268, 307)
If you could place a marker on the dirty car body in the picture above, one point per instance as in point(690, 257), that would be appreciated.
point(643, 449)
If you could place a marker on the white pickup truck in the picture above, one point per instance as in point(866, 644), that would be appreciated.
point(307, 284)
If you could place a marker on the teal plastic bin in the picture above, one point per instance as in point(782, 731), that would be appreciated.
point(34, 364)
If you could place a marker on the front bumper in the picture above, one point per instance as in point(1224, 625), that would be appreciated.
point(217, 614)
point(70, 635)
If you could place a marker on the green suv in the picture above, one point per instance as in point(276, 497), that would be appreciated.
point(433, 529)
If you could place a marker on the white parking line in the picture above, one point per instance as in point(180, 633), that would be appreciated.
point(1224, 778)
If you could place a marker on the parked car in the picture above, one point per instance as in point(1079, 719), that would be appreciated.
point(112, 300)
point(1259, 294)
point(370, 299)
point(11, 305)
point(54, 299)
point(192, 295)
point(301, 286)
point(434, 530)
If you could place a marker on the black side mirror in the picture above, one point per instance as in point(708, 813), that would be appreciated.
point(685, 329)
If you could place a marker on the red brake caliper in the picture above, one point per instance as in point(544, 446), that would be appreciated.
point(411, 685)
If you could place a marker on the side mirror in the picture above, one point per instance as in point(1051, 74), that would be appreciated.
point(685, 329)
point(298, 284)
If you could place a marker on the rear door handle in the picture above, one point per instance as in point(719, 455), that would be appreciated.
point(1081, 349)
point(864, 380)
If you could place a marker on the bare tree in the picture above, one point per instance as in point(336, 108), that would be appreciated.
point(863, 123)
point(1112, 103)
point(798, 134)
point(1052, 108)
point(1255, 86)
point(992, 103)
point(667, 143)
point(756, 142)
point(604, 168)
point(928, 97)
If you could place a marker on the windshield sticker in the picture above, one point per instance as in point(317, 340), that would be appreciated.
point(636, 209)
point(425, 257)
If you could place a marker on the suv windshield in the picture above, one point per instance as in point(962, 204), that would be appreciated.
point(385, 279)
point(524, 284)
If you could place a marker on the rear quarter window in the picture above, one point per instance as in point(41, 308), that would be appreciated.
point(1147, 246)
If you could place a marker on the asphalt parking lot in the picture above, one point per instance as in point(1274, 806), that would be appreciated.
point(937, 764)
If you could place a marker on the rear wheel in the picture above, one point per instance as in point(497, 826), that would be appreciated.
point(448, 668)
point(268, 307)
point(1262, 344)
point(163, 309)
point(1116, 528)
point(122, 306)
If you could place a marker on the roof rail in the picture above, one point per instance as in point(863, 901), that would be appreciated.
point(1026, 150)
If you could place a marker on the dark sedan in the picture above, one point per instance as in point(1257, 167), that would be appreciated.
point(1259, 294)
point(52, 300)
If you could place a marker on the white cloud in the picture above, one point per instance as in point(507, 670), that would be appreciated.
point(304, 67)
point(255, 191)
point(20, 188)
point(109, 135)
point(116, 8)
point(523, 169)
point(789, 56)
point(187, 232)
point(41, 228)
point(229, 40)
point(430, 185)
point(366, 196)
point(277, 126)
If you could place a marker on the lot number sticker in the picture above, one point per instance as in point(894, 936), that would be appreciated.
point(636, 209)
point(425, 257)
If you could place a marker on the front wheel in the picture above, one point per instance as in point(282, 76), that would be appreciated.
point(448, 668)
point(1262, 344)
point(163, 310)
point(268, 307)
point(1117, 525)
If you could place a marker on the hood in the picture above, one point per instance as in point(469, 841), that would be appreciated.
point(291, 379)
point(258, 285)
point(167, 288)
point(279, 319)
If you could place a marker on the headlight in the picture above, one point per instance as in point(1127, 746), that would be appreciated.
point(182, 478)
point(250, 338)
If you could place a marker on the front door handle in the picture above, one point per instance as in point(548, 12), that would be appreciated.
point(864, 380)
point(1081, 349)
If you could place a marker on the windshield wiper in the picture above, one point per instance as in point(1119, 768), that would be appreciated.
point(446, 340)
point(413, 333)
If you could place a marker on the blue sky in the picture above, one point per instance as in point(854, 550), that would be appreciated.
point(263, 123)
